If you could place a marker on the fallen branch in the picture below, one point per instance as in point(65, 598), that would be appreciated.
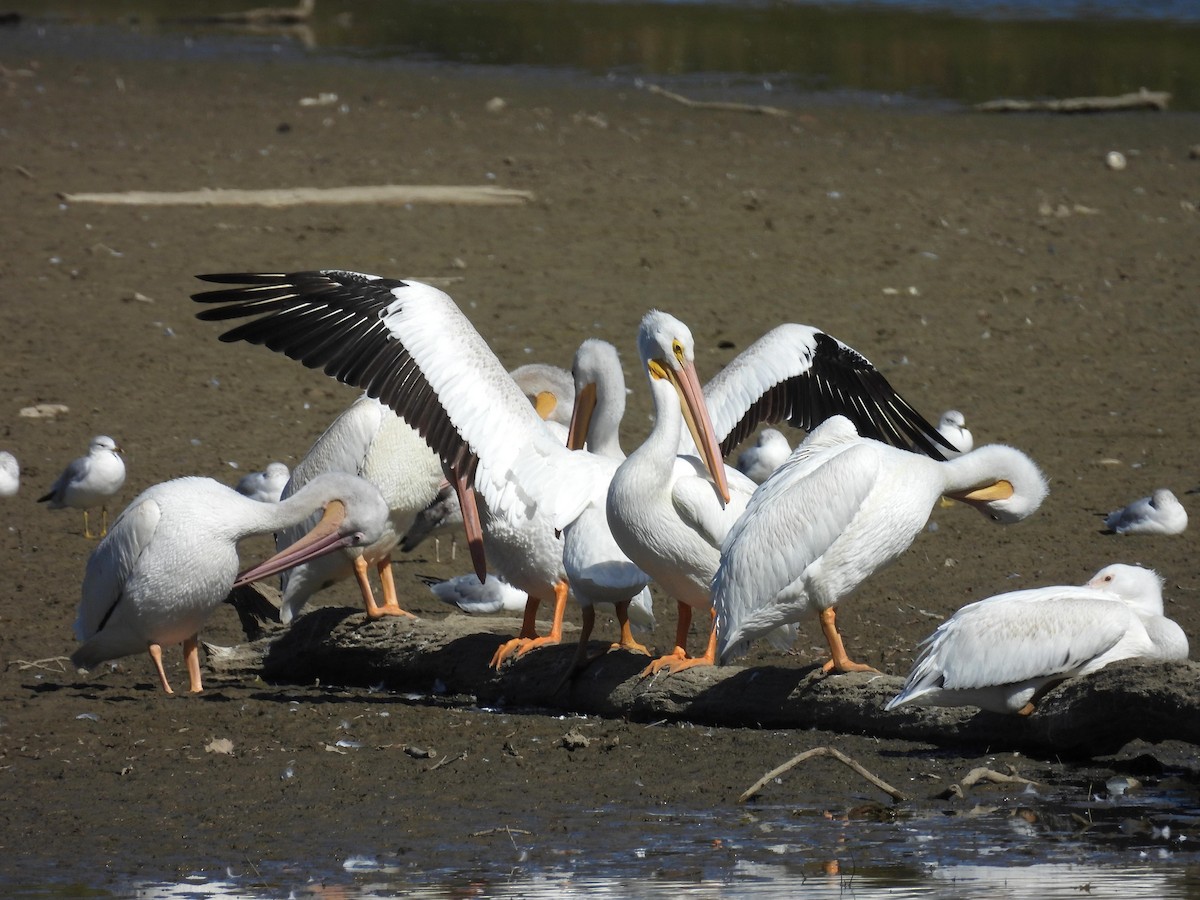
point(274, 198)
point(983, 773)
point(503, 829)
point(1143, 99)
point(841, 757)
point(718, 104)
point(49, 664)
point(446, 760)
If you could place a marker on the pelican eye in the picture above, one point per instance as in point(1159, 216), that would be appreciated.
point(677, 349)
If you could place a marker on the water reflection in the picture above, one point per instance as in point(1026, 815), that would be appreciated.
point(918, 48)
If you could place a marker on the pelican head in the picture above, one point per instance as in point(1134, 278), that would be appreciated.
point(599, 391)
point(1141, 588)
point(1001, 482)
point(669, 354)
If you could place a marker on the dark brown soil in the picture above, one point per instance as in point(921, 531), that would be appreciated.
point(993, 264)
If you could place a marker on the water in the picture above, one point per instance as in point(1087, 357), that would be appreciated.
point(931, 51)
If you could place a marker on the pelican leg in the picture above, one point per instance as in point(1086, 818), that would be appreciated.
point(391, 601)
point(581, 660)
point(364, 587)
point(839, 661)
point(528, 632)
point(156, 658)
point(191, 656)
point(679, 660)
point(561, 593)
point(627, 641)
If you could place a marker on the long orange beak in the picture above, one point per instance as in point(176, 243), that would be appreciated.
point(581, 417)
point(322, 539)
point(695, 413)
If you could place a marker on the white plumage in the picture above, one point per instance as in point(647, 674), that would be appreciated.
point(1002, 653)
point(953, 427)
point(839, 509)
point(10, 474)
point(89, 481)
point(171, 559)
point(265, 486)
point(1160, 513)
point(767, 455)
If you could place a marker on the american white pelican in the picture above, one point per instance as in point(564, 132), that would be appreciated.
point(767, 455)
point(10, 474)
point(368, 440)
point(1004, 652)
point(89, 481)
point(409, 345)
point(265, 486)
point(1160, 513)
point(953, 427)
point(171, 559)
point(838, 510)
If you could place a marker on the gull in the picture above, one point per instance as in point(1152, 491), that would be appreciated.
point(1160, 513)
point(265, 486)
point(89, 481)
point(10, 474)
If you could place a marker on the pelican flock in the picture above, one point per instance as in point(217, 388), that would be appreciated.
point(171, 559)
point(89, 481)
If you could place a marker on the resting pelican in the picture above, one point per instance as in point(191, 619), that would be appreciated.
point(89, 481)
point(368, 440)
point(409, 345)
point(265, 486)
point(767, 455)
point(10, 474)
point(838, 510)
point(1004, 652)
point(1160, 513)
point(171, 559)
point(953, 427)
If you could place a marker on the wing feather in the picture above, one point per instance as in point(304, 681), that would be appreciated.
point(112, 563)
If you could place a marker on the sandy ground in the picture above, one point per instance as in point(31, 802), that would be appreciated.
point(993, 264)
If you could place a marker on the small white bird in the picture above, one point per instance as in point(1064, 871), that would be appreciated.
point(767, 455)
point(171, 559)
point(10, 474)
point(841, 508)
point(1160, 513)
point(1005, 652)
point(953, 427)
point(89, 481)
point(265, 486)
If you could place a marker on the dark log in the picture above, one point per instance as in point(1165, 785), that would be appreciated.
point(1084, 717)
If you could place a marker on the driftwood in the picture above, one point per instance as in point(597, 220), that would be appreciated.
point(1090, 716)
point(388, 194)
point(722, 105)
point(1143, 99)
point(834, 753)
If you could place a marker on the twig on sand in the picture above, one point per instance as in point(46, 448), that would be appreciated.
point(446, 760)
point(463, 195)
point(983, 773)
point(823, 751)
point(718, 104)
point(503, 829)
point(50, 663)
point(1142, 99)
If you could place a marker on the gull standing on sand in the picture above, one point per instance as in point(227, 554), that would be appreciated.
point(1003, 653)
point(1160, 513)
point(171, 559)
point(953, 427)
point(767, 455)
point(841, 508)
point(89, 481)
point(10, 474)
point(265, 486)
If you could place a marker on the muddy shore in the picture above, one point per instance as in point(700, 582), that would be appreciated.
point(991, 264)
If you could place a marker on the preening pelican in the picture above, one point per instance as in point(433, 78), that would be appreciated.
point(1160, 513)
point(838, 510)
point(368, 440)
point(767, 455)
point(265, 486)
point(953, 427)
point(1004, 652)
point(171, 559)
point(409, 345)
point(89, 481)
point(10, 474)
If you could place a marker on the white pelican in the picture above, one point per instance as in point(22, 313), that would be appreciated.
point(838, 510)
point(1004, 652)
point(265, 486)
point(10, 474)
point(89, 481)
point(1160, 513)
point(408, 344)
point(171, 559)
point(368, 440)
point(953, 427)
point(767, 455)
